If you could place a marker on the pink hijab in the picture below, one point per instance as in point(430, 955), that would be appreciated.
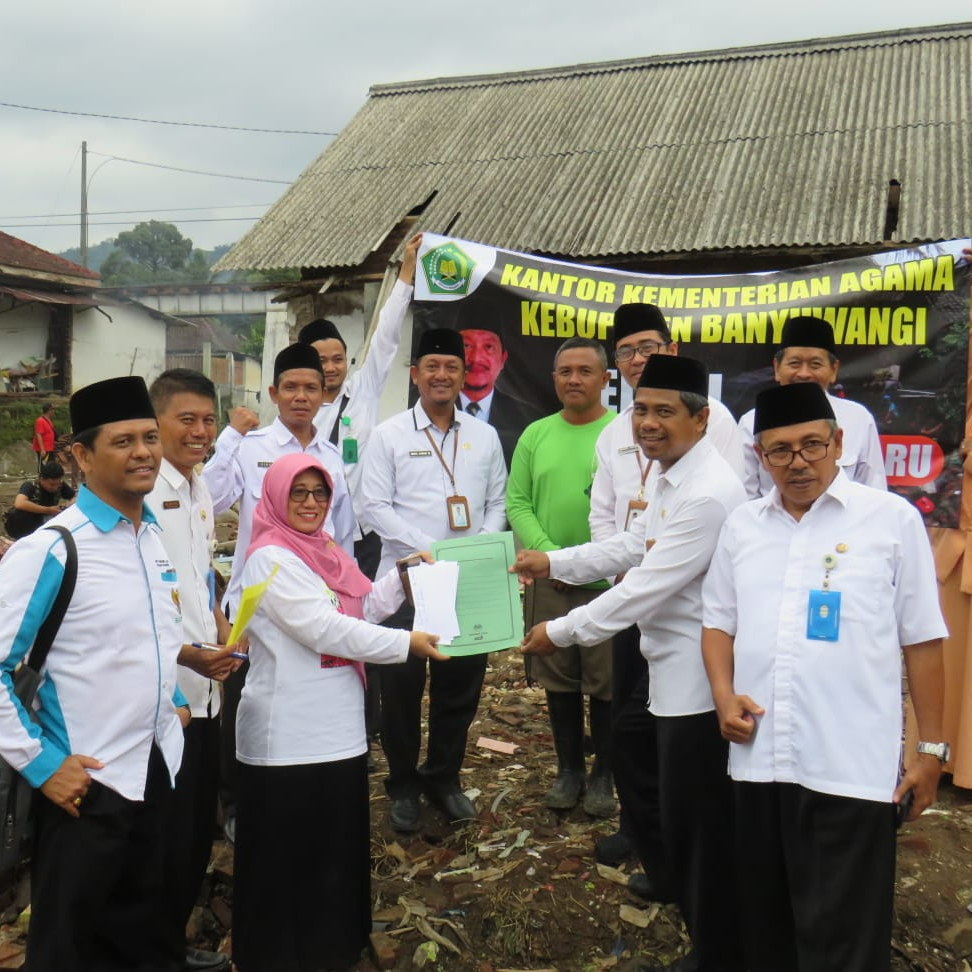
point(271, 527)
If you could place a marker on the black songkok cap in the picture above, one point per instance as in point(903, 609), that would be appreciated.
point(631, 318)
point(441, 340)
point(113, 400)
point(678, 373)
point(319, 330)
point(296, 356)
point(808, 332)
point(793, 404)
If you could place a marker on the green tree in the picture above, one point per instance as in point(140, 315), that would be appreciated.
point(154, 252)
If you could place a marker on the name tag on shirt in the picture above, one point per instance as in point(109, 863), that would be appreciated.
point(418, 453)
point(264, 463)
point(625, 450)
point(823, 615)
point(170, 504)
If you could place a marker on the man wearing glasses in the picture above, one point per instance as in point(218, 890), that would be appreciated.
point(808, 354)
point(623, 482)
point(813, 594)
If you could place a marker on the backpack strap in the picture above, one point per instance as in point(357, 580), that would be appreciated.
point(48, 630)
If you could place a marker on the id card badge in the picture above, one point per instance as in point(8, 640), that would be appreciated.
point(458, 507)
point(823, 615)
point(349, 449)
point(635, 508)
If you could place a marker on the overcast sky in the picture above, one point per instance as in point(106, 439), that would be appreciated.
point(295, 64)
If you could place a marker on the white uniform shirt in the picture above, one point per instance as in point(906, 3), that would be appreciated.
point(833, 708)
point(662, 589)
point(621, 464)
point(365, 386)
point(236, 471)
point(405, 486)
point(862, 458)
point(184, 510)
point(109, 682)
point(293, 709)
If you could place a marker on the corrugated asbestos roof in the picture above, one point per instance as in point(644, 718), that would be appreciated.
point(782, 145)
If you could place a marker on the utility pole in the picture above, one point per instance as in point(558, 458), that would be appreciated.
point(84, 204)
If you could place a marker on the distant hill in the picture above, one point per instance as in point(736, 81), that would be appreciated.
point(98, 253)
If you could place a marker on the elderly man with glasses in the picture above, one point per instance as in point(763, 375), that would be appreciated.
point(814, 592)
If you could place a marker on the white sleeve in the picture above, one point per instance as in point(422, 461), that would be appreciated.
point(719, 587)
point(368, 382)
point(386, 596)
point(750, 459)
point(223, 475)
point(727, 437)
point(870, 464)
point(295, 604)
point(603, 492)
point(916, 605)
point(589, 562)
point(678, 556)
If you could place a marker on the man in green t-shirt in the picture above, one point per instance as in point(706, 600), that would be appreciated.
point(547, 504)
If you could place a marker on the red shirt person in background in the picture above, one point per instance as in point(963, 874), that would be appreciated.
point(44, 436)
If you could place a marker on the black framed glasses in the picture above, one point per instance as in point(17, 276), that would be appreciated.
point(300, 493)
point(645, 349)
point(811, 452)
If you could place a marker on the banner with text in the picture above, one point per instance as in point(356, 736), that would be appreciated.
point(900, 319)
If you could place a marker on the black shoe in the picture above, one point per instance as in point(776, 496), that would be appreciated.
point(455, 805)
point(614, 849)
point(199, 961)
point(643, 886)
point(406, 812)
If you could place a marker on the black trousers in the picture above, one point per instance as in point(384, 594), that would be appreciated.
point(818, 892)
point(189, 828)
point(454, 690)
point(628, 667)
point(232, 692)
point(670, 773)
point(96, 882)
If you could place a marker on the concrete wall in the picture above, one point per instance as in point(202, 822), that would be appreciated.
point(23, 331)
point(131, 343)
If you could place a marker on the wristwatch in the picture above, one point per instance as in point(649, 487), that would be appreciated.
point(940, 750)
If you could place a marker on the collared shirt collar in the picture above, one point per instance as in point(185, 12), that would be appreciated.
point(484, 403)
point(682, 468)
point(172, 476)
point(103, 516)
point(283, 435)
point(839, 490)
point(422, 420)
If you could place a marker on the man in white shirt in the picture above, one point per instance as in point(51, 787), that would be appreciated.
point(349, 409)
point(185, 405)
point(814, 592)
point(235, 472)
point(107, 741)
point(431, 473)
point(808, 353)
point(683, 832)
point(622, 481)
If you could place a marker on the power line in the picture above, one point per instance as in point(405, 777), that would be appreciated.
point(135, 212)
point(212, 219)
point(157, 121)
point(173, 168)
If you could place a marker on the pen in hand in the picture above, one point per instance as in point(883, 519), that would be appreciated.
point(207, 647)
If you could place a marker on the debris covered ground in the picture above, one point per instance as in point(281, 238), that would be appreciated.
point(519, 889)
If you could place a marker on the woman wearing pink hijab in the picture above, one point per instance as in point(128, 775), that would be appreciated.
point(302, 888)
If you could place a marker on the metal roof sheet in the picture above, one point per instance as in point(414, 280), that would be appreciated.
point(783, 145)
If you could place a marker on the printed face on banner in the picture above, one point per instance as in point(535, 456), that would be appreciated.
point(485, 358)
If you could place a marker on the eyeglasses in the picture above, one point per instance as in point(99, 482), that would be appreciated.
point(300, 493)
point(811, 452)
point(645, 349)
